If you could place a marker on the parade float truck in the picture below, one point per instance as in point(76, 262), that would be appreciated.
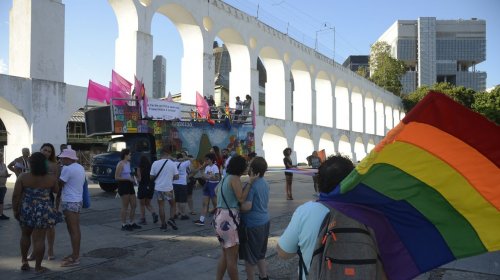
point(166, 123)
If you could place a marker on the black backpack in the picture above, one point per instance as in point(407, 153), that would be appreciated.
point(345, 249)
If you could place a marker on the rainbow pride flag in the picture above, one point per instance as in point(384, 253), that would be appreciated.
point(430, 189)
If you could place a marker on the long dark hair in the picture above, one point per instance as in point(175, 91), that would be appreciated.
point(144, 163)
point(52, 156)
point(38, 164)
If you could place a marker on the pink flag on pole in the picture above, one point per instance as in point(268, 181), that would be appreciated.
point(97, 92)
point(120, 83)
point(253, 114)
point(115, 94)
point(202, 106)
point(144, 97)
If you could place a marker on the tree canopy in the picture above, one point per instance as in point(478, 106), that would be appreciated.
point(385, 70)
point(485, 103)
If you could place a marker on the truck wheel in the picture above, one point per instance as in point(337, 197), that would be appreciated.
point(108, 187)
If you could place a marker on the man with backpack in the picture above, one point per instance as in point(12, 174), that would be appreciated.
point(332, 251)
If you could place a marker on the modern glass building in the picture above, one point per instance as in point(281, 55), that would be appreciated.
point(439, 51)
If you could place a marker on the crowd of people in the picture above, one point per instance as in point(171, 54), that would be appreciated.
point(49, 188)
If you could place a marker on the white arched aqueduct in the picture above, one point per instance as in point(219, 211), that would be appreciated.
point(310, 101)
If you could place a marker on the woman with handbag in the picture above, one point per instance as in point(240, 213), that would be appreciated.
point(230, 195)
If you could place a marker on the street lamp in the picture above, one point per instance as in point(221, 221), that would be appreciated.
point(325, 28)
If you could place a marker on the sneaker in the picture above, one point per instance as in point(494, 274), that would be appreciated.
point(127, 227)
point(155, 217)
point(199, 223)
point(163, 227)
point(184, 217)
point(135, 226)
point(3, 217)
point(172, 224)
point(143, 221)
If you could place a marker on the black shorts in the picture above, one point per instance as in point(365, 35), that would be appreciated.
point(3, 190)
point(180, 193)
point(125, 187)
point(144, 192)
point(191, 184)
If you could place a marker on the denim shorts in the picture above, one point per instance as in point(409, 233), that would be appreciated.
point(72, 206)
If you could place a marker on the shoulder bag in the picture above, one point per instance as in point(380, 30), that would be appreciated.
point(151, 185)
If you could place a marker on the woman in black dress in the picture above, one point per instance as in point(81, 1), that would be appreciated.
point(288, 175)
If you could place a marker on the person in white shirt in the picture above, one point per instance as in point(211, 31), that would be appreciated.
point(163, 173)
point(239, 108)
point(71, 180)
point(212, 177)
point(180, 186)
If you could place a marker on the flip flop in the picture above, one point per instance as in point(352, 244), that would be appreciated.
point(25, 266)
point(69, 262)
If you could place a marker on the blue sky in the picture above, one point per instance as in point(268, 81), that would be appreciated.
point(91, 30)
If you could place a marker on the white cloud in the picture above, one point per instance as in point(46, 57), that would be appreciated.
point(3, 66)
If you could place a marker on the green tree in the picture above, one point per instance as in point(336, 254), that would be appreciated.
point(488, 104)
point(363, 72)
point(462, 95)
point(386, 71)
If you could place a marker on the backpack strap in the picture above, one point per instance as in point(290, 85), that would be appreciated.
point(302, 265)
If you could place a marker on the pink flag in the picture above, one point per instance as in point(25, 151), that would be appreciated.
point(114, 94)
point(97, 92)
point(202, 106)
point(253, 114)
point(119, 83)
point(144, 97)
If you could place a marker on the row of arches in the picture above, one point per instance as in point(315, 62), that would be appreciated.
point(275, 140)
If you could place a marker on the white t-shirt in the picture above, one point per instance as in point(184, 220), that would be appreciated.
point(300, 233)
point(211, 170)
point(182, 167)
point(73, 176)
point(164, 180)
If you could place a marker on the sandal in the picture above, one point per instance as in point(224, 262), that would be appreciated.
point(70, 262)
point(41, 270)
point(25, 266)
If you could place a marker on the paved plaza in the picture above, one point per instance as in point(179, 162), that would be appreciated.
point(188, 253)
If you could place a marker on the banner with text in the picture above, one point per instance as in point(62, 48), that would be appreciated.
point(163, 110)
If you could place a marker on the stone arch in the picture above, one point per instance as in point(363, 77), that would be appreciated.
point(275, 85)
point(369, 114)
point(389, 124)
point(273, 143)
point(357, 109)
point(192, 42)
point(359, 149)
point(345, 146)
point(302, 109)
point(239, 77)
point(303, 146)
point(18, 130)
point(379, 116)
point(326, 142)
point(324, 97)
point(342, 104)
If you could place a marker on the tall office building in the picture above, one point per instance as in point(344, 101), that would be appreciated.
point(439, 51)
point(159, 76)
